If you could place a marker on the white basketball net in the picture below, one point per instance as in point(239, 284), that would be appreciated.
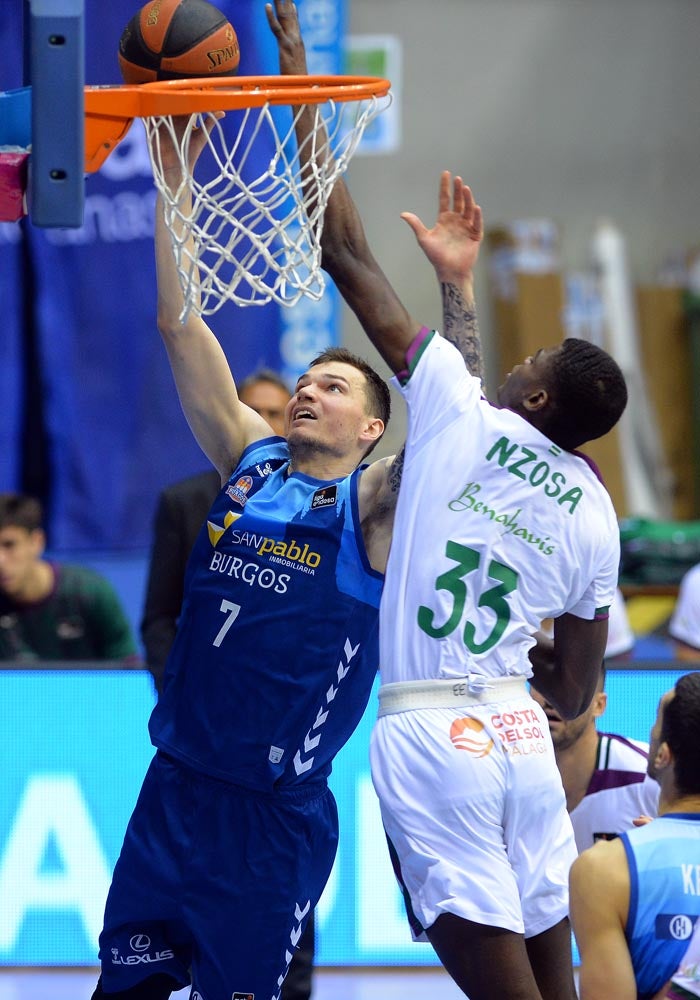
point(256, 239)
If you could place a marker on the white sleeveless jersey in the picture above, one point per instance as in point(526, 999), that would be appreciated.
point(619, 791)
point(496, 529)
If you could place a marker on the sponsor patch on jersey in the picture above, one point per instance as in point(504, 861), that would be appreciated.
point(325, 497)
point(215, 531)
point(240, 490)
point(275, 755)
point(673, 926)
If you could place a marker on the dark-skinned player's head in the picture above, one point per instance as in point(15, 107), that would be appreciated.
point(573, 393)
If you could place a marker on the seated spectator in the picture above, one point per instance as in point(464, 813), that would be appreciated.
point(604, 775)
point(634, 900)
point(50, 610)
point(684, 626)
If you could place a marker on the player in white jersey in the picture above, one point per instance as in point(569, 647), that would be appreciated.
point(604, 775)
point(510, 527)
point(499, 525)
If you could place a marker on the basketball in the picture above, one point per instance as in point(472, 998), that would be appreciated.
point(175, 40)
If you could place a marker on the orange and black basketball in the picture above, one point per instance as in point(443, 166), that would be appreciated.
point(175, 40)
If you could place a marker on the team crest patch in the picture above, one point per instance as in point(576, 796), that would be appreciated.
point(325, 497)
point(239, 492)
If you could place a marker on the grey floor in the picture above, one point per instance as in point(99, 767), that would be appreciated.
point(329, 984)
point(350, 984)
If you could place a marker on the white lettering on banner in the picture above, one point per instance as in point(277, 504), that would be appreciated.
point(52, 810)
point(127, 216)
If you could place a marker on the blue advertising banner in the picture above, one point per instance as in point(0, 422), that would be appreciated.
point(115, 429)
point(76, 750)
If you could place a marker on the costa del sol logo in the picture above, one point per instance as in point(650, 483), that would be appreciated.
point(468, 734)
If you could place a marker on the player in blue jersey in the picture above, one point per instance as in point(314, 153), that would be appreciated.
point(635, 900)
point(234, 832)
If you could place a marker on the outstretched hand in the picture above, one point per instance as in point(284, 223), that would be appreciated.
point(452, 245)
point(284, 23)
point(168, 144)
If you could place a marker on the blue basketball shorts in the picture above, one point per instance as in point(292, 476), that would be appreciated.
point(215, 882)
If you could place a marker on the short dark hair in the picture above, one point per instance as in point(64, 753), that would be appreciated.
point(377, 392)
point(263, 375)
point(588, 393)
point(19, 511)
point(680, 728)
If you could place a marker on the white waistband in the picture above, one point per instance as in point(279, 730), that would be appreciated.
point(475, 689)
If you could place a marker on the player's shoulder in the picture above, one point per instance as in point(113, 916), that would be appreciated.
point(618, 751)
point(599, 862)
point(378, 486)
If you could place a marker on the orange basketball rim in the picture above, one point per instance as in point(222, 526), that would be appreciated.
point(110, 110)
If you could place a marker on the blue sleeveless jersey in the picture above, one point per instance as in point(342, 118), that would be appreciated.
point(277, 646)
point(664, 866)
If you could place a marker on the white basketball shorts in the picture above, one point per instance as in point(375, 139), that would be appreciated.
point(474, 809)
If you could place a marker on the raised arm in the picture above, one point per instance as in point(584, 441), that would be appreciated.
point(452, 247)
point(346, 254)
point(222, 425)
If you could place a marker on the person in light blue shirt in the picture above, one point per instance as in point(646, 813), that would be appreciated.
point(635, 900)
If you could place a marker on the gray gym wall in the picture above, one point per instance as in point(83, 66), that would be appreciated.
point(567, 109)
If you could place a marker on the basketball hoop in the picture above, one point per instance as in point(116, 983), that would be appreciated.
point(247, 235)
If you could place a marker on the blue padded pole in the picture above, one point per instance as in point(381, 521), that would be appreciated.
point(56, 190)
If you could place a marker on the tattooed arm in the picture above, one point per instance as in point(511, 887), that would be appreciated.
point(454, 258)
point(460, 327)
point(444, 247)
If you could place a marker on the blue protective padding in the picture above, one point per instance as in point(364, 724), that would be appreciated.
point(56, 191)
point(15, 117)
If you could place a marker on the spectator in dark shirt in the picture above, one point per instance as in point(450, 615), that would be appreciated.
point(51, 610)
